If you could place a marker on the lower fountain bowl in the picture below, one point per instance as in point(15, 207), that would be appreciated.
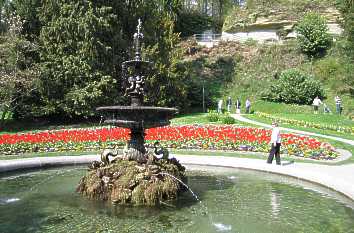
point(138, 116)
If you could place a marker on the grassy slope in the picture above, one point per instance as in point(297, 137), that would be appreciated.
point(256, 65)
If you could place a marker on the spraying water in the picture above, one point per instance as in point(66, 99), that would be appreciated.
point(180, 181)
point(220, 227)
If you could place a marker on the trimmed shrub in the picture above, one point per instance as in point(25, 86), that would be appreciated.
point(294, 87)
point(213, 116)
point(313, 37)
point(227, 119)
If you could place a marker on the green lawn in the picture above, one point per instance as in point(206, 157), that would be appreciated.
point(280, 108)
point(24, 127)
point(193, 118)
point(42, 154)
point(329, 119)
point(321, 119)
point(251, 155)
point(198, 118)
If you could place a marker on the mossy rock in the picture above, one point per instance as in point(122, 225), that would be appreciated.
point(131, 183)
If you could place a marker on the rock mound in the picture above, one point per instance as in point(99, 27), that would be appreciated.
point(133, 183)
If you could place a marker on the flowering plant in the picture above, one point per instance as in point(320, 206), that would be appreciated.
point(306, 124)
point(211, 137)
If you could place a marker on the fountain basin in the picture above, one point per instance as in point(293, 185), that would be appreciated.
point(143, 117)
point(232, 201)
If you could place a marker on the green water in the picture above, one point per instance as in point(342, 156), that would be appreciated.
point(232, 201)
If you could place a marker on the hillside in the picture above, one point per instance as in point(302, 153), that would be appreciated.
point(276, 14)
point(251, 68)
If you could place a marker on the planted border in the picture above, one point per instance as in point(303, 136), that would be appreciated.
point(307, 124)
point(206, 137)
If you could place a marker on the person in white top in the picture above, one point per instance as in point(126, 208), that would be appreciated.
point(275, 141)
point(248, 106)
point(338, 102)
point(220, 106)
point(316, 103)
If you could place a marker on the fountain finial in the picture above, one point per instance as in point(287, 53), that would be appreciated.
point(137, 36)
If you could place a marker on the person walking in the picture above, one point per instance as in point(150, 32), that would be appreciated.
point(229, 104)
point(238, 106)
point(248, 106)
point(338, 102)
point(275, 141)
point(220, 102)
point(316, 104)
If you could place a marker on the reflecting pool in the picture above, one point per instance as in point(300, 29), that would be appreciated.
point(232, 200)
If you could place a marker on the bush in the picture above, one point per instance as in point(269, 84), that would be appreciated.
point(347, 9)
point(192, 22)
point(313, 37)
point(213, 116)
point(227, 119)
point(293, 87)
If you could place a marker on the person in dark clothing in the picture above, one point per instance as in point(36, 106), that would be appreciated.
point(238, 106)
point(229, 104)
point(275, 141)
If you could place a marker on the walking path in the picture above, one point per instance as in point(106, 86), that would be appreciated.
point(339, 178)
point(243, 119)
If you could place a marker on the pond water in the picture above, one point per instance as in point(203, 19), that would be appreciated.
point(231, 201)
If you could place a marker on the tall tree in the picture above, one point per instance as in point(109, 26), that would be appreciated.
point(28, 11)
point(18, 73)
point(76, 58)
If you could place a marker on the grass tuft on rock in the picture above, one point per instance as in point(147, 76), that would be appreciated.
point(131, 183)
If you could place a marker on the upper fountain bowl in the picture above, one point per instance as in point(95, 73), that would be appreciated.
point(138, 116)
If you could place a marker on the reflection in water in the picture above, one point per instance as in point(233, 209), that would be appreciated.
point(275, 203)
point(222, 227)
point(8, 200)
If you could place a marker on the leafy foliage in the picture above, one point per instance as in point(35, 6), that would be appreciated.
point(192, 22)
point(313, 35)
point(227, 119)
point(337, 73)
point(347, 9)
point(294, 87)
point(75, 70)
point(18, 72)
point(85, 42)
point(213, 116)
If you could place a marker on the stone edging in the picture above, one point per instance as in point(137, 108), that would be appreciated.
point(338, 178)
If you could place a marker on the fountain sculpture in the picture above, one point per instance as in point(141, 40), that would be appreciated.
point(136, 176)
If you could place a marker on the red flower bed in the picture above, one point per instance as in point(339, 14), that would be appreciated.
point(181, 137)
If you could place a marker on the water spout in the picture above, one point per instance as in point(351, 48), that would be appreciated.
point(181, 182)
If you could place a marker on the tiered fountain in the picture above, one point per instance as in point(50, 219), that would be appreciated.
point(136, 176)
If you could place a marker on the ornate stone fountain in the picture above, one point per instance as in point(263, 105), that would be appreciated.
point(137, 117)
point(137, 176)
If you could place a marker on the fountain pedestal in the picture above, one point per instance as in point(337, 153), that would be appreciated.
point(136, 149)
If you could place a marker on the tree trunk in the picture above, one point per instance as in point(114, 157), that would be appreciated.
point(2, 119)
